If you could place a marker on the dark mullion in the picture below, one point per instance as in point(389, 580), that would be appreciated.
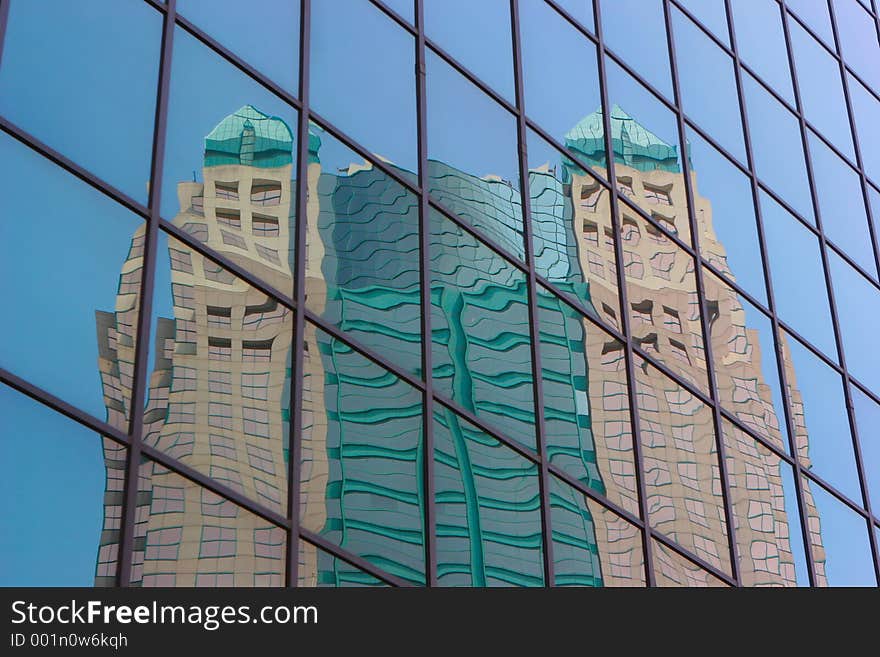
point(142, 350)
point(4, 19)
point(430, 524)
point(68, 410)
point(838, 339)
point(297, 378)
point(701, 296)
point(397, 18)
point(675, 547)
point(624, 305)
point(774, 320)
point(863, 479)
point(534, 317)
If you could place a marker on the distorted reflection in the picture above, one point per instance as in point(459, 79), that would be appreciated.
point(221, 370)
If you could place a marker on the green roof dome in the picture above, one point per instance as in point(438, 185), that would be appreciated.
point(633, 144)
point(251, 138)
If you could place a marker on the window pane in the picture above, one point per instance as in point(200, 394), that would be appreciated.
point(635, 30)
point(362, 273)
point(777, 147)
point(571, 230)
point(746, 370)
point(768, 528)
point(480, 326)
point(867, 414)
point(592, 546)
point(682, 477)
point(842, 205)
point(406, 8)
point(866, 114)
point(798, 279)
point(839, 542)
point(64, 262)
point(818, 412)
point(858, 307)
point(815, 15)
point(229, 156)
point(580, 10)
point(570, 110)
point(703, 65)
point(821, 89)
point(477, 34)
point(761, 43)
point(673, 570)
point(474, 166)
point(586, 407)
point(712, 14)
point(219, 373)
point(726, 213)
point(189, 536)
point(361, 457)
point(318, 568)
point(383, 117)
point(64, 484)
point(858, 40)
point(100, 116)
point(275, 53)
point(487, 509)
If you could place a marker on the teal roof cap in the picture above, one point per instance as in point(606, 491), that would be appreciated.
point(633, 144)
point(251, 138)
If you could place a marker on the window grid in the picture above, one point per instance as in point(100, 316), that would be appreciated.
point(135, 439)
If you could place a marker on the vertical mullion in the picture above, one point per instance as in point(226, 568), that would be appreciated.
point(624, 304)
point(297, 374)
point(534, 320)
point(428, 490)
point(771, 302)
point(145, 309)
point(4, 19)
point(701, 295)
point(838, 339)
point(863, 480)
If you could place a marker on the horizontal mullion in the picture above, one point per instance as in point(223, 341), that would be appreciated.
point(350, 558)
point(675, 547)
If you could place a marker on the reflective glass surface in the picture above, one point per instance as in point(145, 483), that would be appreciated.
point(701, 65)
point(219, 382)
point(362, 250)
point(101, 117)
point(473, 165)
point(673, 570)
point(360, 56)
point(726, 215)
point(321, 569)
point(478, 35)
point(635, 30)
point(480, 331)
point(798, 279)
point(760, 41)
point(818, 413)
point(586, 406)
point(580, 10)
point(770, 543)
point(821, 89)
point(858, 36)
point(592, 546)
point(856, 299)
point(839, 542)
point(866, 114)
point(682, 476)
point(187, 535)
point(361, 456)
point(487, 506)
point(842, 205)
point(746, 368)
point(72, 473)
point(777, 147)
point(712, 14)
point(867, 414)
point(64, 262)
point(276, 22)
point(815, 15)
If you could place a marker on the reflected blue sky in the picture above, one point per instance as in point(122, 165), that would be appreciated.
point(54, 470)
point(761, 42)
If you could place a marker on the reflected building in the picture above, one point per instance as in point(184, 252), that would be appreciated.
point(221, 373)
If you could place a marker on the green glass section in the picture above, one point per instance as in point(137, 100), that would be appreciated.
point(487, 508)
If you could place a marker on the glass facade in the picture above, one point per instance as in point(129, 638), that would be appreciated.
point(507, 293)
